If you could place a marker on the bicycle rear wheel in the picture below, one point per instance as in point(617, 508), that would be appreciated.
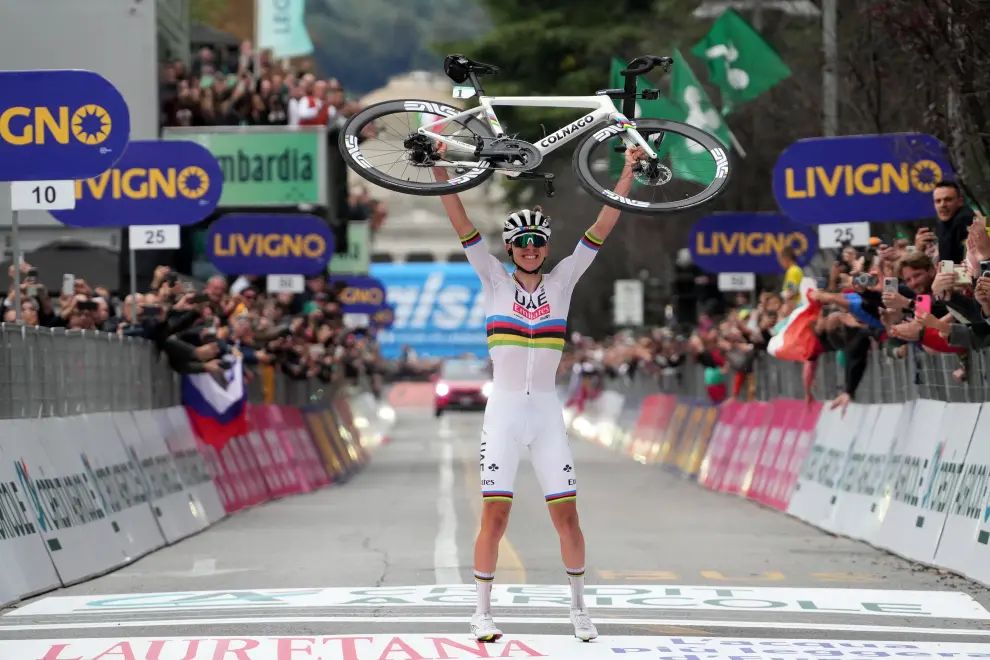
point(381, 143)
point(693, 167)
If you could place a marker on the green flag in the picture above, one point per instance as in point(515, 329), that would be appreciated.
point(690, 160)
point(740, 62)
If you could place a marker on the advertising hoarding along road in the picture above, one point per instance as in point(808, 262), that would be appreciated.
point(58, 125)
point(749, 242)
point(265, 165)
point(269, 244)
point(439, 309)
point(860, 178)
point(157, 182)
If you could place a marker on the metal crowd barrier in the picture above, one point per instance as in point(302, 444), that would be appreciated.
point(888, 379)
point(54, 372)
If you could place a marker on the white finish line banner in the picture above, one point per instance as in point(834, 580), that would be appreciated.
point(460, 647)
point(877, 602)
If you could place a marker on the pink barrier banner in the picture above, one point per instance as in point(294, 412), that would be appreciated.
point(654, 415)
point(230, 484)
point(752, 432)
point(305, 456)
point(772, 461)
point(280, 476)
point(804, 436)
point(721, 445)
point(257, 488)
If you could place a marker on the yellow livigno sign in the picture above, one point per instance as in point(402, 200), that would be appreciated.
point(138, 183)
point(752, 243)
point(272, 244)
point(867, 179)
point(21, 126)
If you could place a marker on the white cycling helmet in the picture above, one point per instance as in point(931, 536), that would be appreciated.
point(526, 222)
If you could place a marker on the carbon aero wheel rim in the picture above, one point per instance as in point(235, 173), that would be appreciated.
point(599, 142)
point(359, 154)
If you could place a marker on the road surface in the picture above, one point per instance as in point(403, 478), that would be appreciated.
point(381, 568)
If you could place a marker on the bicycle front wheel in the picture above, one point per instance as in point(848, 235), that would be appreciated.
point(692, 168)
point(382, 143)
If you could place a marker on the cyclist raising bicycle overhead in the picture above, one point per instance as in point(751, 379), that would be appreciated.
point(526, 321)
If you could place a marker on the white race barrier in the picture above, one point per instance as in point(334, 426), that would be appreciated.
point(21, 544)
point(910, 478)
point(192, 465)
point(83, 495)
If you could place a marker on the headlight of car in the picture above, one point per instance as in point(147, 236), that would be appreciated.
point(486, 390)
point(442, 389)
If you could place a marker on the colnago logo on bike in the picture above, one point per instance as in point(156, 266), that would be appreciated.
point(432, 108)
point(355, 151)
point(567, 130)
point(625, 200)
point(721, 163)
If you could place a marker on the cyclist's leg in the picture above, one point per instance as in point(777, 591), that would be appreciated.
point(498, 465)
point(554, 466)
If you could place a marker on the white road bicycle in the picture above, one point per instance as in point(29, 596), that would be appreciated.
point(684, 167)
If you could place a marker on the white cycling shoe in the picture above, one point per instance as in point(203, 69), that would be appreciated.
point(483, 628)
point(584, 629)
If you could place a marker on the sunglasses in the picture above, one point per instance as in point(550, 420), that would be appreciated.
point(524, 240)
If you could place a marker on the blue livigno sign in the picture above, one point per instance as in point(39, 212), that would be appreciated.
point(157, 182)
point(269, 244)
point(60, 125)
point(860, 178)
point(363, 295)
point(749, 242)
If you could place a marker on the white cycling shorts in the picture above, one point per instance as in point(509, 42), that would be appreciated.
point(515, 421)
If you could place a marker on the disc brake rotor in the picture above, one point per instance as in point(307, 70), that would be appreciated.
point(652, 173)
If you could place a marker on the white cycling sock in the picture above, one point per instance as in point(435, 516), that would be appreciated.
point(483, 583)
point(576, 578)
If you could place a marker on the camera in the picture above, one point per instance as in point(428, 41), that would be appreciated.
point(171, 278)
point(985, 268)
point(86, 306)
point(865, 280)
point(228, 361)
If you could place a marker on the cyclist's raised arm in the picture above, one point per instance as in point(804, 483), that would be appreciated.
point(475, 249)
point(609, 216)
point(571, 268)
point(454, 208)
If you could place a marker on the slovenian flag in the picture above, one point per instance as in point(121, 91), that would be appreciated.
point(216, 412)
point(794, 338)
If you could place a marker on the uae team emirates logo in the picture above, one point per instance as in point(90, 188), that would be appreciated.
point(531, 314)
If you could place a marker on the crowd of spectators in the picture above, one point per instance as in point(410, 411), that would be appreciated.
point(222, 90)
point(931, 290)
point(305, 336)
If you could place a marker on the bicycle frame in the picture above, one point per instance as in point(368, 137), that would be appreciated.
point(601, 107)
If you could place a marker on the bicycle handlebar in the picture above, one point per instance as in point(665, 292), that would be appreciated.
point(645, 64)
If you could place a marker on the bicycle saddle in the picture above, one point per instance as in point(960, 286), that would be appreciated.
point(458, 67)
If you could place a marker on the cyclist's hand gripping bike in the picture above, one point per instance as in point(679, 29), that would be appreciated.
point(683, 167)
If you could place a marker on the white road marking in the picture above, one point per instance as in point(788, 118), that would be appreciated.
point(445, 561)
point(600, 621)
